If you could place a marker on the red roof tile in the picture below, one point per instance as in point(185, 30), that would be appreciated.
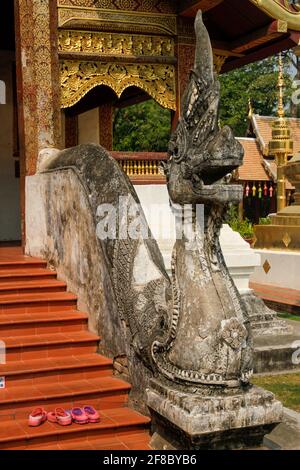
point(253, 168)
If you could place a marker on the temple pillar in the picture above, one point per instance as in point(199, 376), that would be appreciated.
point(38, 78)
point(106, 115)
point(71, 130)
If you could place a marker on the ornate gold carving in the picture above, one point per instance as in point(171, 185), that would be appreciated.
point(39, 78)
point(281, 10)
point(121, 21)
point(160, 6)
point(219, 61)
point(79, 77)
point(115, 44)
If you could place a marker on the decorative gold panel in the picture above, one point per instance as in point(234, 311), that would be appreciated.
point(79, 77)
point(115, 44)
point(129, 21)
point(159, 6)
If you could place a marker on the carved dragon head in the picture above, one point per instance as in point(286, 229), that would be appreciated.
point(201, 155)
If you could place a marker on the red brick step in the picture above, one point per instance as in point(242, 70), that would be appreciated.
point(25, 274)
point(56, 369)
point(102, 393)
point(37, 323)
point(52, 361)
point(50, 345)
point(120, 423)
point(31, 287)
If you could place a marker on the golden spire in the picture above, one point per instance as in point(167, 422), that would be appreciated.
point(281, 144)
point(280, 87)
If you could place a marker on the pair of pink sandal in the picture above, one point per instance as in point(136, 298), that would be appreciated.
point(84, 415)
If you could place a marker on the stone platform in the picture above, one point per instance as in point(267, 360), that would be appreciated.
point(286, 436)
point(275, 352)
point(190, 421)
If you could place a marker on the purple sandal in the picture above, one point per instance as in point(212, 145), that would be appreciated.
point(79, 416)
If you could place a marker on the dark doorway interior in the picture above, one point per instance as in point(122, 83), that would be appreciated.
point(10, 223)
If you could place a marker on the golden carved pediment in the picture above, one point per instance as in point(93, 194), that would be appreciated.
point(281, 10)
point(79, 77)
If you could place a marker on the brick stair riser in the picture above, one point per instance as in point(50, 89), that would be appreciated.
point(31, 290)
point(8, 266)
point(40, 306)
point(59, 376)
point(25, 279)
point(79, 436)
point(100, 400)
point(24, 353)
point(30, 329)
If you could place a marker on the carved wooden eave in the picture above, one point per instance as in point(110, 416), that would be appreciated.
point(274, 26)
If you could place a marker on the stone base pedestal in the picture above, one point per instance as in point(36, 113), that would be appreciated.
point(264, 321)
point(188, 421)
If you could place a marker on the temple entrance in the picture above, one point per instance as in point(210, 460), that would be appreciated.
point(10, 223)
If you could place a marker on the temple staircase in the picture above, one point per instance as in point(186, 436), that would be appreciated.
point(51, 361)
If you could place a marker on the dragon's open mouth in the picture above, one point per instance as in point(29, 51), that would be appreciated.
point(216, 174)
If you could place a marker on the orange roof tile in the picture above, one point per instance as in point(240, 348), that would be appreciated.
point(262, 126)
point(253, 168)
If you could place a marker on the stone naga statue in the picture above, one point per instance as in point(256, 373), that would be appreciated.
point(209, 342)
point(187, 339)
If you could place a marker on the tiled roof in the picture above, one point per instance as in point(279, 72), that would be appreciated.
point(262, 126)
point(253, 168)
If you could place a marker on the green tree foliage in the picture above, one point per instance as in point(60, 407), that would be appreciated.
point(142, 127)
point(257, 81)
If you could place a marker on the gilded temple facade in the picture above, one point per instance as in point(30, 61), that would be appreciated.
point(67, 64)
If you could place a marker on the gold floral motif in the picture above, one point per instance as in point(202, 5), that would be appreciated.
point(79, 77)
point(115, 43)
